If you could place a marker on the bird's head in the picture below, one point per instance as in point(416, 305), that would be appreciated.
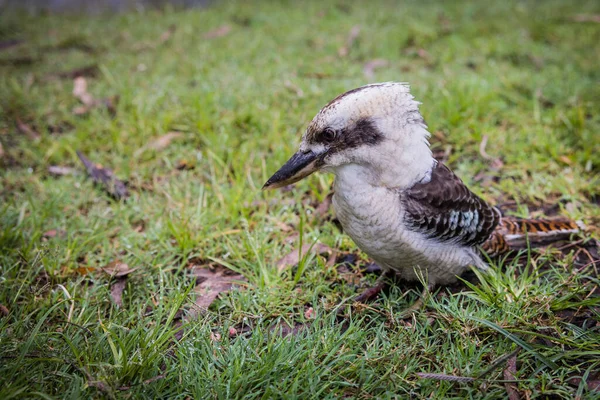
point(375, 131)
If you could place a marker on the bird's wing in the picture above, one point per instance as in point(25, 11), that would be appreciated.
point(446, 210)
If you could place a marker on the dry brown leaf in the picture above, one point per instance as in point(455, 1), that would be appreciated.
point(587, 18)
point(509, 375)
point(566, 160)
point(294, 88)
point(84, 270)
point(104, 176)
point(57, 170)
point(221, 31)
point(593, 385)
point(293, 257)
point(27, 130)
point(184, 164)
point(49, 234)
point(7, 44)
point(352, 36)
point(283, 226)
point(162, 142)
point(4, 310)
point(310, 313)
point(292, 237)
point(424, 54)
point(212, 283)
point(118, 269)
point(166, 35)
point(370, 67)
point(80, 92)
point(285, 329)
point(116, 290)
point(232, 332)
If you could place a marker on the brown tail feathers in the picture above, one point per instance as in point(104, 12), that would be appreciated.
point(515, 233)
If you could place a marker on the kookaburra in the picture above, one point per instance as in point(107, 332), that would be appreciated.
point(410, 213)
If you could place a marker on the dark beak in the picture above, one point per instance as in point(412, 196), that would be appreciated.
point(302, 164)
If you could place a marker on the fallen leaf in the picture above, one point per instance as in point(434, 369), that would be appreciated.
point(53, 233)
point(118, 269)
point(80, 91)
point(370, 67)
point(166, 35)
point(283, 226)
point(57, 170)
point(163, 38)
point(566, 160)
point(105, 177)
point(84, 270)
point(424, 54)
point(103, 387)
point(7, 44)
point(293, 257)
point(116, 290)
point(292, 237)
point(352, 36)
point(50, 234)
point(593, 385)
point(27, 130)
point(185, 165)
point(4, 310)
point(218, 32)
point(232, 331)
point(509, 375)
point(284, 329)
point(310, 313)
point(164, 141)
point(294, 88)
point(587, 18)
point(212, 282)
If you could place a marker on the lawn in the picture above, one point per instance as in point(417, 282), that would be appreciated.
point(194, 110)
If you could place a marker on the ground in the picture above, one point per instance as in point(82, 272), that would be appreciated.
point(193, 110)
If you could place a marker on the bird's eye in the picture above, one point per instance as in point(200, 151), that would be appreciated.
point(328, 135)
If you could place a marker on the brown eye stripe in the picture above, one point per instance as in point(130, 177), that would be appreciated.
point(364, 132)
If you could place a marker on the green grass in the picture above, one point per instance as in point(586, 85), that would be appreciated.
point(524, 74)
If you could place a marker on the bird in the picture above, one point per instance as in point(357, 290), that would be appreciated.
point(407, 211)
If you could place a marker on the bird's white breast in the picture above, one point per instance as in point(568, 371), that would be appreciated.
point(374, 218)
